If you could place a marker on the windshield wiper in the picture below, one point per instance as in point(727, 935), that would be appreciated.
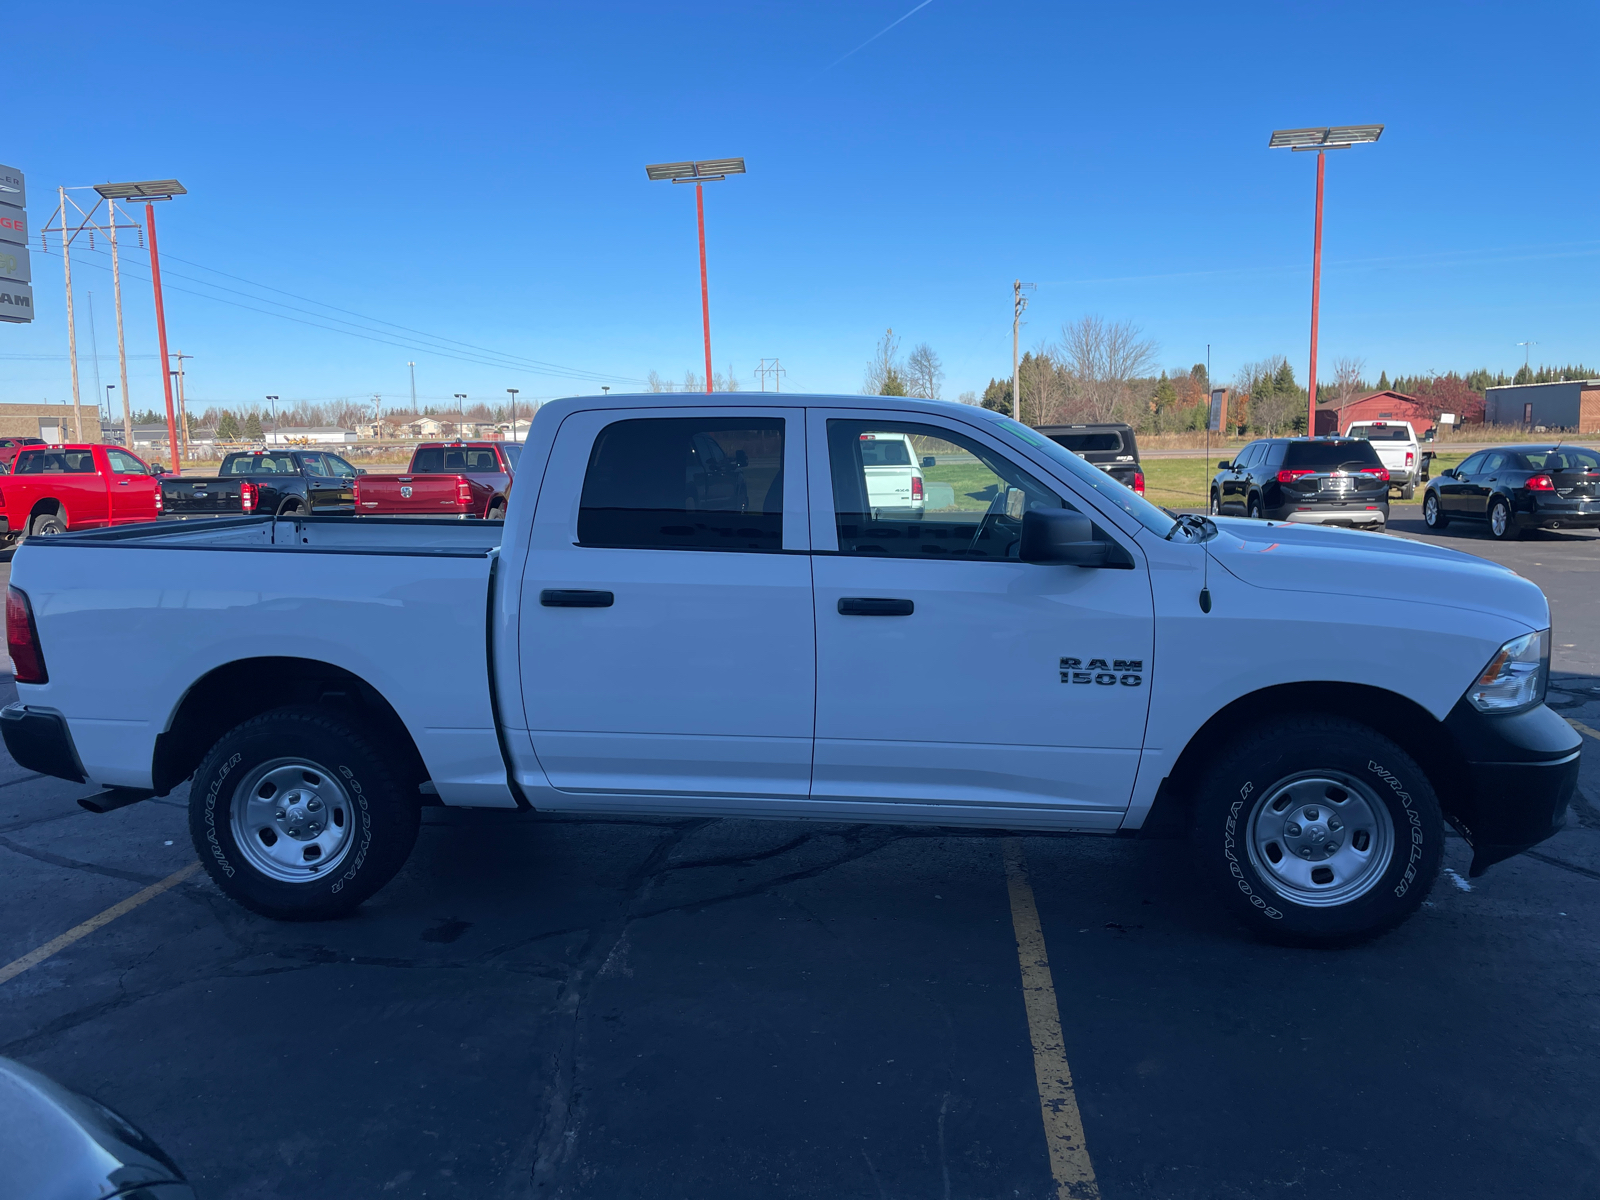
point(1195, 528)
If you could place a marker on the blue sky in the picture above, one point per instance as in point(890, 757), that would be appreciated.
point(475, 171)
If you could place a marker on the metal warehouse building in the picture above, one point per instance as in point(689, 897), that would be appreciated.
point(1571, 404)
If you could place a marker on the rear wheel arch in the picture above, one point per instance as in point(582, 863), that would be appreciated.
point(48, 506)
point(235, 692)
point(1417, 731)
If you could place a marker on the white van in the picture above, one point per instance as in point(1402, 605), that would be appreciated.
point(894, 480)
point(1396, 444)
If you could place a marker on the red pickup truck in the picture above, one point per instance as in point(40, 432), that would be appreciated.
point(445, 479)
point(51, 489)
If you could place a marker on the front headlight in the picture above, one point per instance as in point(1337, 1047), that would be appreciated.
point(1516, 676)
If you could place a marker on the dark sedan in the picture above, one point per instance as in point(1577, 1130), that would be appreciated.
point(1512, 489)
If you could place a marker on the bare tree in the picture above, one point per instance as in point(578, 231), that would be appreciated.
point(924, 372)
point(1102, 359)
point(968, 398)
point(1347, 382)
point(1045, 390)
point(886, 376)
point(657, 384)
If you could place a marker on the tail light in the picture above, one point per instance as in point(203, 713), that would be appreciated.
point(357, 490)
point(22, 638)
point(1138, 482)
point(1291, 475)
point(1381, 473)
point(247, 497)
point(1541, 483)
point(916, 487)
point(463, 492)
point(1410, 458)
point(160, 502)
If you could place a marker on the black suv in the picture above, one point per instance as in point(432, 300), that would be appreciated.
point(1111, 447)
point(1317, 481)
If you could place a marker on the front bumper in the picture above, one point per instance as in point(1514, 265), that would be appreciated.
point(38, 738)
point(1518, 776)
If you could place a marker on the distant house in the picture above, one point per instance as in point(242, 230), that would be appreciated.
point(424, 427)
point(1332, 417)
point(311, 435)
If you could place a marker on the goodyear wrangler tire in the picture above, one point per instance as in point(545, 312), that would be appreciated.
point(1318, 831)
point(296, 816)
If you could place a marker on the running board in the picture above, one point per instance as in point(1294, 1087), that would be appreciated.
point(114, 798)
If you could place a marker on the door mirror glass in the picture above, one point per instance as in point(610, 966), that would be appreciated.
point(1016, 503)
point(1059, 536)
point(929, 460)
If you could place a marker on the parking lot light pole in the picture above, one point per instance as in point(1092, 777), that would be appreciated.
point(1335, 137)
point(149, 191)
point(273, 400)
point(707, 171)
point(513, 392)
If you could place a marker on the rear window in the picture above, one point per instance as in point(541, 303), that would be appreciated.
point(438, 460)
point(1381, 433)
point(1085, 443)
point(1330, 456)
point(884, 451)
point(56, 462)
point(259, 464)
point(1562, 458)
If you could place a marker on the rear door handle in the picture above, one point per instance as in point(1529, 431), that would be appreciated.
point(874, 606)
point(564, 598)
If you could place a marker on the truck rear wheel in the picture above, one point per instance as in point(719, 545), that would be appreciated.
point(46, 525)
point(1318, 831)
point(297, 816)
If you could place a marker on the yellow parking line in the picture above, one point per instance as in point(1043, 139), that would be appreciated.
point(1063, 1125)
point(34, 957)
point(1582, 728)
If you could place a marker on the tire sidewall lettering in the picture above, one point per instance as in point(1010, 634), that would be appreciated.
point(210, 817)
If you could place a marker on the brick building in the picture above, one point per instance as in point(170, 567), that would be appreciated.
point(52, 422)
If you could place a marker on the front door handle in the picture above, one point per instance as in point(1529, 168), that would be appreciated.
point(874, 606)
point(568, 598)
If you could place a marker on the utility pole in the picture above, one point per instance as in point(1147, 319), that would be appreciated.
point(161, 335)
point(1018, 304)
point(183, 414)
point(72, 332)
point(513, 392)
point(122, 349)
point(94, 349)
point(273, 400)
point(1527, 349)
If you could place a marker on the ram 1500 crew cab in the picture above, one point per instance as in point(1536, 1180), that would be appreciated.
point(659, 627)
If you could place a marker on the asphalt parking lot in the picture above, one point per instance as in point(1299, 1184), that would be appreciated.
point(555, 1007)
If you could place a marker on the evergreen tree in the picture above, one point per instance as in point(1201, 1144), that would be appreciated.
point(252, 427)
point(1198, 374)
point(228, 426)
point(997, 396)
point(1383, 381)
point(1523, 375)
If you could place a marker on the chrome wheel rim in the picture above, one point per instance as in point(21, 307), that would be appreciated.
point(1497, 520)
point(1320, 839)
point(1430, 511)
point(292, 820)
point(1216, 506)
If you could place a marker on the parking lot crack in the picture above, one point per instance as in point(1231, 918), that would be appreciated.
point(73, 864)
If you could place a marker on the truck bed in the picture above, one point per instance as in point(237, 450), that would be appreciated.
point(401, 604)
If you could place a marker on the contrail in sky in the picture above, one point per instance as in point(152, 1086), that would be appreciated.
point(874, 37)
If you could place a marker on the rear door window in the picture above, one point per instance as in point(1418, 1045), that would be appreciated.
point(685, 483)
point(513, 455)
point(1350, 455)
point(260, 464)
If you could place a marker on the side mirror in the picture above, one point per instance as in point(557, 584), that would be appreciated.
point(1016, 503)
point(929, 460)
point(361, 470)
point(1224, 465)
point(1055, 535)
point(741, 459)
point(1448, 473)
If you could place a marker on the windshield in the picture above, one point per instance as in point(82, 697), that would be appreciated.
point(1125, 498)
point(1330, 456)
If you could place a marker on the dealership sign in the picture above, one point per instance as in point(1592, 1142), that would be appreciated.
point(16, 302)
point(14, 265)
point(12, 189)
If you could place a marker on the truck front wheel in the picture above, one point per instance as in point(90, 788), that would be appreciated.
point(1318, 831)
point(297, 816)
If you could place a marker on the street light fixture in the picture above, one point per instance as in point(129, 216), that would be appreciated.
point(150, 191)
point(110, 387)
point(709, 170)
point(1335, 137)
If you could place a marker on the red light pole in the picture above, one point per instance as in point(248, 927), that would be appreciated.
point(150, 191)
point(698, 173)
point(1338, 137)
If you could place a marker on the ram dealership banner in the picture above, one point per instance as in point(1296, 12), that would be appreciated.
point(16, 272)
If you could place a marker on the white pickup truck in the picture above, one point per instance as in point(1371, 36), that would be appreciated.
point(1398, 450)
point(645, 635)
